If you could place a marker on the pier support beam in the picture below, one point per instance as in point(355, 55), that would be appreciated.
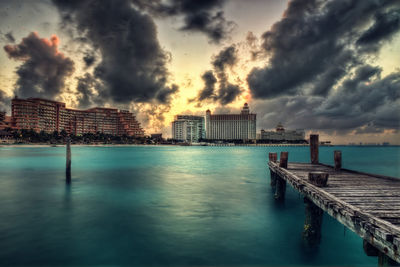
point(314, 143)
point(312, 224)
point(383, 259)
point(68, 161)
point(273, 158)
point(280, 182)
point(369, 249)
point(337, 156)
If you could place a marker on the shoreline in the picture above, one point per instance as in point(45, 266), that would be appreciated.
point(177, 145)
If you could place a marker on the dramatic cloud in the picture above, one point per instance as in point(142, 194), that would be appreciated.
point(44, 68)
point(4, 101)
point(227, 92)
point(316, 76)
point(365, 103)
point(86, 88)
point(89, 58)
point(133, 64)
point(366, 100)
point(208, 92)
point(202, 16)
point(385, 25)
point(317, 42)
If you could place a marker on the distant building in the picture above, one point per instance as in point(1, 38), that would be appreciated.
point(49, 116)
point(188, 128)
point(157, 137)
point(231, 126)
point(280, 134)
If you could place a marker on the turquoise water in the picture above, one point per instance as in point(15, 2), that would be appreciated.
point(159, 206)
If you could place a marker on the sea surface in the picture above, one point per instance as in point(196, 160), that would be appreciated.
point(167, 206)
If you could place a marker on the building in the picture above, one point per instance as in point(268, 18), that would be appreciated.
point(49, 116)
point(188, 128)
point(280, 134)
point(231, 126)
point(157, 137)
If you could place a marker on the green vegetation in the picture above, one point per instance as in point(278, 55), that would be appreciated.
point(30, 136)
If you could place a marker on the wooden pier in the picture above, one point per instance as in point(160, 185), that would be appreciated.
point(367, 204)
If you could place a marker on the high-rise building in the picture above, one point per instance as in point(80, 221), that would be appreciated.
point(49, 116)
point(280, 134)
point(188, 128)
point(231, 126)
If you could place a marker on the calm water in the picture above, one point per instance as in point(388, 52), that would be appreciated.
point(158, 206)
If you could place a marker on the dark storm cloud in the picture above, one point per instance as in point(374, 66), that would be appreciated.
point(208, 92)
point(133, 64)
point(227, 92)
point(365, 97)
point(89, 58)
point(385, 25)
point(227, 57)
point(87, 88)
point(198, 16)
point(44, 69)
point(364, 102)
point(317, 77)
point(311, 48)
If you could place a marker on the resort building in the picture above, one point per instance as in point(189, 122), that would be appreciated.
point(49, 116)
point(280, 134)
point(231, 126)
point(188, 128)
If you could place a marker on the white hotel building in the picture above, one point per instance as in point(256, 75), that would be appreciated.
point(188, 128)
point(231, 126)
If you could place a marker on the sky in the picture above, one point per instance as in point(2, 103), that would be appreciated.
point(328, 67)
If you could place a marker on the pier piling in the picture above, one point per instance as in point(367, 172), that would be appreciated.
point(319, 179)
point(68, 161)
point(280, 182)
point(273, 158)
point(337, 156)
point(314, 143)
point(312, 224)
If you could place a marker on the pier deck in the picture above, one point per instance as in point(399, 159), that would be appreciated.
point(367, 204)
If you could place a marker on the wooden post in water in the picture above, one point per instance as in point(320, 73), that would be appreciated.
point(280, 182)
point(314, 143)
point(313, 214)
point(337, 156)
point(319, 179)
point(273, 157)
point(68, 162)
point(312, 224)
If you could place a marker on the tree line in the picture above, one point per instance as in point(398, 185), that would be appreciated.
point(31, 136)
